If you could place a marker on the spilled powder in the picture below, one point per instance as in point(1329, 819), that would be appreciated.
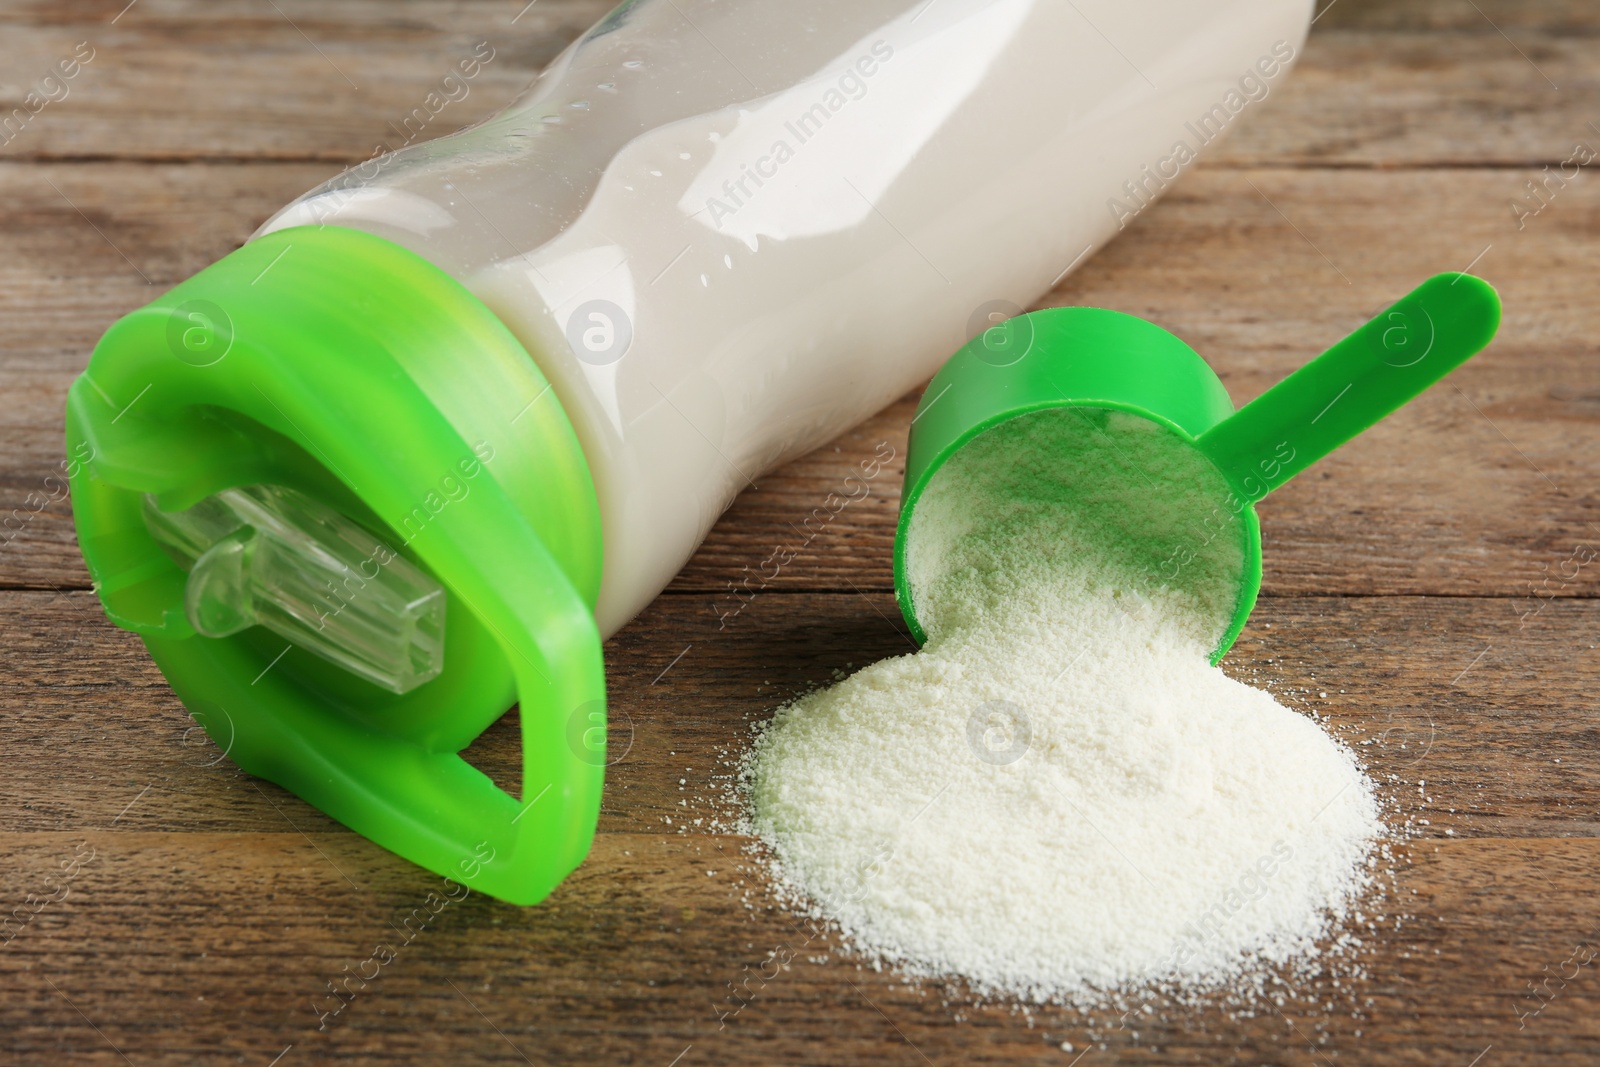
point(1058, 796)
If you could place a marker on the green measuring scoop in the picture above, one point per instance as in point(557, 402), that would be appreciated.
point(1098, 359)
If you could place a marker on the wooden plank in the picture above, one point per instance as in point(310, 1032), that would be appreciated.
point(297, 79)
point(215, 908)
point(1415, 84)
point(231, 956)
point(1464, 96)
point(1570, 17)
point(191, 947)
point(1482, 486)
point(1462, 692)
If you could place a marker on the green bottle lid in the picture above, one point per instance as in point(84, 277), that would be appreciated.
point(348, 369)
point(1093, 358)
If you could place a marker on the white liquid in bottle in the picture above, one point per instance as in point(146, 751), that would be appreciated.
point(728, 230)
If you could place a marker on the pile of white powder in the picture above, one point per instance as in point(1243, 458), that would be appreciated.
point(1058, 796)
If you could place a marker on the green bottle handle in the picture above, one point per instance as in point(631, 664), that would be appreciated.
point(1426, 334)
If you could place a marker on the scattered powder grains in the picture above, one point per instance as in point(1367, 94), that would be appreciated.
point(1058, 796)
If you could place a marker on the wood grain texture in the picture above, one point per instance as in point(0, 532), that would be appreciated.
point(1463, 690)
point(206, 883)
point(1380, 84)
point(1416, 578)
point(1481, 487)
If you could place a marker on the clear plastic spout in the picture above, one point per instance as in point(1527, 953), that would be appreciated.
point(268, 556)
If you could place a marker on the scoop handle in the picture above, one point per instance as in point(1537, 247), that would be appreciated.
point(1425, 334)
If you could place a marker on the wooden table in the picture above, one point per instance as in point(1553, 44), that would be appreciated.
point(1421, 590)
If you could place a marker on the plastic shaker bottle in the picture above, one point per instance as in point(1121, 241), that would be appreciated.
point(449, 420)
